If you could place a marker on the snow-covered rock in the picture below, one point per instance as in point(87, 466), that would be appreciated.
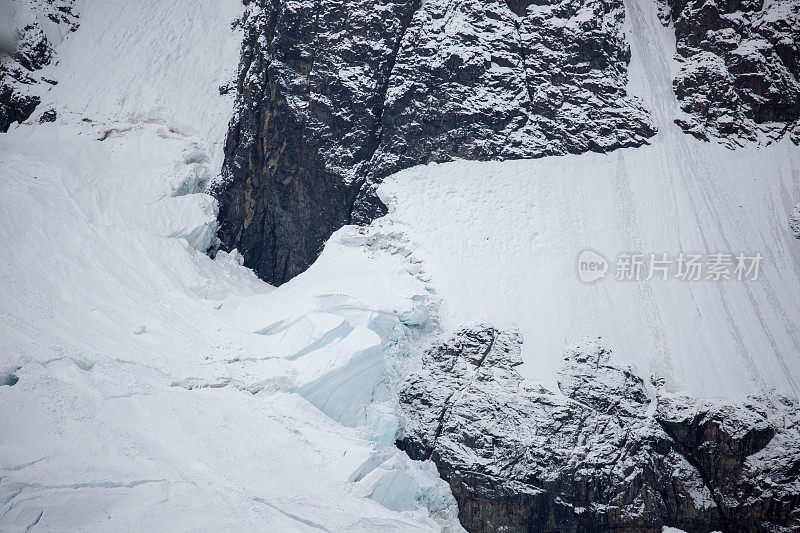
point(607, 451)
point(334, 97)
point(739, 77)
point(794, 221)
point(29, 33)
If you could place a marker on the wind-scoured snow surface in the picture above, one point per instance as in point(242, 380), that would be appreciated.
point(500, 241)
point(144, 385)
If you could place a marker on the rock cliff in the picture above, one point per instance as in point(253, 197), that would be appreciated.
point(607, 451)
point(334, 96)
point(739, 75)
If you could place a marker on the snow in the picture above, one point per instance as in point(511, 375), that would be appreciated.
point(500, 243)
point(136, 61)
point(148, 372)
point(144, 385)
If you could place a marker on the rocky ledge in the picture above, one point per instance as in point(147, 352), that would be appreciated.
point(608, 451)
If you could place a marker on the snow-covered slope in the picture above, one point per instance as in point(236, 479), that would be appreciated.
point(501, 242)
point(145, 385)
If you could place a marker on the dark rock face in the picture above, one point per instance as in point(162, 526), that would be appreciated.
point(30, 51)
point(739, 79)
point(15, 105)
point(609, 452)
point(48, 116)
point(334, 96)
point(310, 96)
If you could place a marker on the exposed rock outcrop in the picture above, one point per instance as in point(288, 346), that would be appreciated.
point(334, 96)
point(739, 78)
point(608, 452)
point(794, 221)
point(27, 51)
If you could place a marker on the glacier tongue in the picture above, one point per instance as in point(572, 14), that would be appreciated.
point(144, 385)
point(137, 370)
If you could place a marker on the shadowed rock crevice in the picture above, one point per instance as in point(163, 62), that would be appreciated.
point(609, 452)
point(335, 96)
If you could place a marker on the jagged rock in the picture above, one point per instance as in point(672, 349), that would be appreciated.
point(48, 116)
point(739, 78)
point(609, 452)
point(794, 221)
point(334, 96)
point(15, 105)
point(28, 51)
